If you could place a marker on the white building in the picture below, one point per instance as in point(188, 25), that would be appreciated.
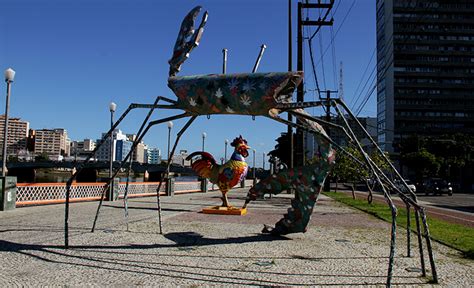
point(154, 155)
point(120, 143)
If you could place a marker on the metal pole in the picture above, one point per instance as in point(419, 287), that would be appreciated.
point(300, 90)
point(224, 61)
point(5, 129)
point(111, 158)
point(225, 151)
point(169, 137)
point(327, 182)
point(253, 176)
point(262, 49)
point(420, 242)
point(203, 138)
point(290, 68)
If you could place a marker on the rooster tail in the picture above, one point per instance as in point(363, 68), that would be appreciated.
point(204, 165)
point(204, 155)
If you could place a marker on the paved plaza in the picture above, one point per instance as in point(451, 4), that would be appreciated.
point(343, 247)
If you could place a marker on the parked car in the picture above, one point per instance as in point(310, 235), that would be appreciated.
point(399, 184)
point(436, 186)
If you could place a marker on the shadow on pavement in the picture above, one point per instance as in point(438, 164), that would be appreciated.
point(175, 270)
point(150, 208)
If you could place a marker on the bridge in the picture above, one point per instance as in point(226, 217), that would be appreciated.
point(99, 165)
point(26, 171)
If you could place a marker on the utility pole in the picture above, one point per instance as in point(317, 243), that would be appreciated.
point(300, 90)
point(300, 150)
point(327, 183)
point(290, 68)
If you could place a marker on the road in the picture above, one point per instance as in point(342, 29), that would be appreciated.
point(457, 209)
point(460, 202)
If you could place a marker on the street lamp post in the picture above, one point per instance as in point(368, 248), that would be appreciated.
point(225, 151)
point(112, 108)
point(203, 139)
point(9, 76)
point(253, 176)
point(170, 125)
point(263, 163)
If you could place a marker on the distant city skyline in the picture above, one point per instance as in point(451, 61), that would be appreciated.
point(73, 58)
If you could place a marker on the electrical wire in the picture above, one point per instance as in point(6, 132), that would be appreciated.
point(322, 66)
point(363, 75)
point(372, 77)
point(339, 28)
point(333, 59)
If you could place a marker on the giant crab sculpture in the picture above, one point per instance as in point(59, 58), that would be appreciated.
point(267, 95)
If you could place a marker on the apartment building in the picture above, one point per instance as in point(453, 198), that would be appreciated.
point(53, 142)
point(17, 135)
point(154, 155)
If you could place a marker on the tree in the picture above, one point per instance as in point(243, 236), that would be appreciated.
point(347, 170)
point(442, 156)
point(423, 163)
point(13, 158)
point(42, 157)
point(281, 149)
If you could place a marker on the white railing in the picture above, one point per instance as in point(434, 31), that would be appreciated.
point(49, 193)
point(137, 189)
point(183, 187)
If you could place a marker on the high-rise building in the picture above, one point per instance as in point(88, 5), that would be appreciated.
point(139, 153)
point(88, 145)
point(17, 135)
point(81, 149)
point(121, 144)
point(53, 142)
point(154, 156)
point(122, 148)
point(425, 69)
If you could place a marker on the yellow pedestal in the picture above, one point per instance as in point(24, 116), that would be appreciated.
point(225, 210)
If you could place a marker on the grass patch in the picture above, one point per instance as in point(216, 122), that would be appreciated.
point(454, 235)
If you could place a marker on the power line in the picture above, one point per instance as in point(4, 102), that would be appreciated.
point(339, 28)
point(333, 58)
point(322, 66)
point(363, 75)
point(372, 77)
point(366, 99)
point(392, 56)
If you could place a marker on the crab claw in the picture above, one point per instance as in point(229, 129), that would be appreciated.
point(187, 40)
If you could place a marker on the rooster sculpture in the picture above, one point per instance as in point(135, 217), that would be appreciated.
point(227, 175)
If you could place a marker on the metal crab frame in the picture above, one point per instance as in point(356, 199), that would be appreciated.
point(203, 95)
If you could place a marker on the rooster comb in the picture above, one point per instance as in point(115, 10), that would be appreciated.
point(237, 141)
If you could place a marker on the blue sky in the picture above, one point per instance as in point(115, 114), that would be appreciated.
point(73, 58)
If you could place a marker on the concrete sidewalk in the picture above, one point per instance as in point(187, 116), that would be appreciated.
point(343, 247)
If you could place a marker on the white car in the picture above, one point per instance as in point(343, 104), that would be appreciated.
point(399, 184)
